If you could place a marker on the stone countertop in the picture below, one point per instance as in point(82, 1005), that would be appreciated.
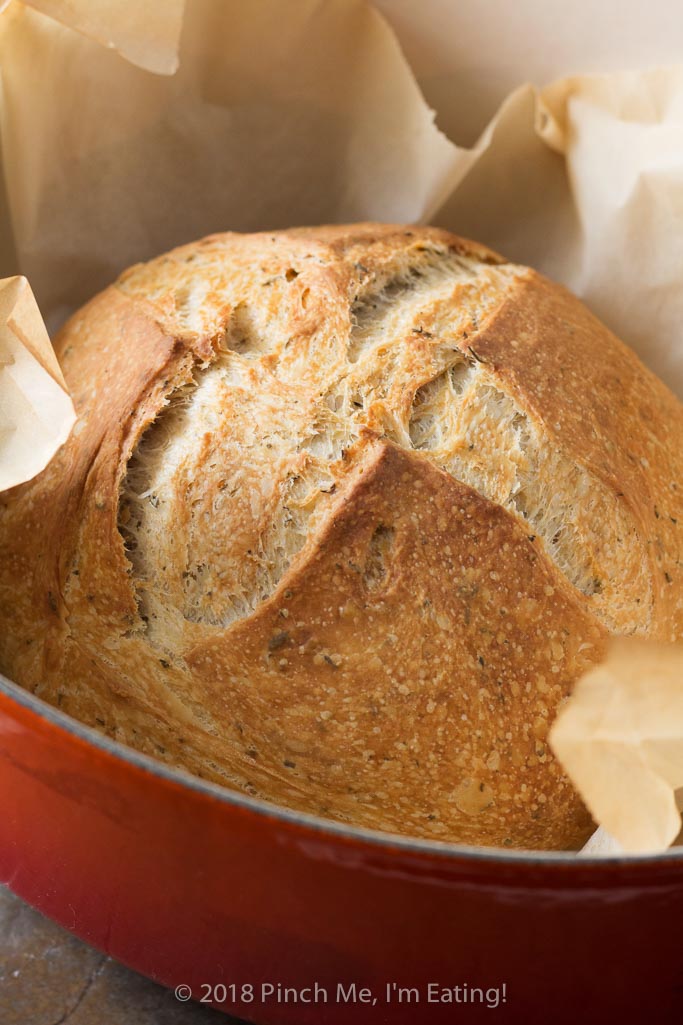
point(49, 977)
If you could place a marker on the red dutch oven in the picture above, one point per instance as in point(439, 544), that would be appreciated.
point(280, 917)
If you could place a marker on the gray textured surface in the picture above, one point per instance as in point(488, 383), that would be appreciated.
point(48, 977)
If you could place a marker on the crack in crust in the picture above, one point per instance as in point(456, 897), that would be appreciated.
point(258, 454)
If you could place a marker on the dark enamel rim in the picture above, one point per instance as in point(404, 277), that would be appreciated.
point(313, 823)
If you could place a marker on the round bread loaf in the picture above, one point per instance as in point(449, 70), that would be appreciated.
point(346, 512)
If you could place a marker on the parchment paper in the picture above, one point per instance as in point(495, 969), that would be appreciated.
point(307, 112)
point(621, 739)
point(146, 33)
point(36, 413)
point(271, 120)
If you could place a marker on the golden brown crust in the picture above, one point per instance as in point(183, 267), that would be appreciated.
point(346, 673)
point(394, 496)
point(606, 411)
